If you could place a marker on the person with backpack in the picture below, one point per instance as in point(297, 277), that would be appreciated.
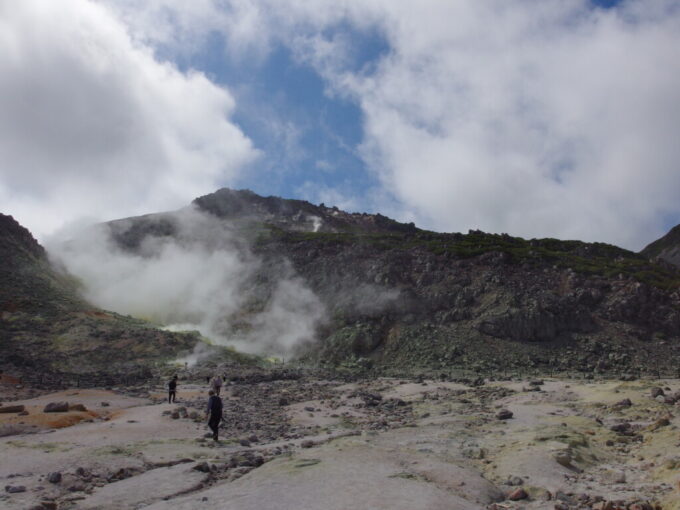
point(214, 413)
point(216, 385)
point(172, 389)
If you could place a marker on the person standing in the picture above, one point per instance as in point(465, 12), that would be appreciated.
point(216, 385)
point(214, 413)
point(172, 389)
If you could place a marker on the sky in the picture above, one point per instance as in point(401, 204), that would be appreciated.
point(557, 118)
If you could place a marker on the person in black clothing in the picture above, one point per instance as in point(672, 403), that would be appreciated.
point(214, 413)
point(172, 389)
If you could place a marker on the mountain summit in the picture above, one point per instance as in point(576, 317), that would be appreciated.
point(296, 215)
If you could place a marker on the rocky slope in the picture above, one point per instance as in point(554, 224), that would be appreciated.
point(400, 297)
point(666, 248)
point(48, 332)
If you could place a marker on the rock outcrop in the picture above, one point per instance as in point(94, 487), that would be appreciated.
point(398, 296)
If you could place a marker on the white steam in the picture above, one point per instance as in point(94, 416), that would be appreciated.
point(202, 277)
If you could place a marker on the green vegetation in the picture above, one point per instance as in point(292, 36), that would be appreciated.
point(594, 259)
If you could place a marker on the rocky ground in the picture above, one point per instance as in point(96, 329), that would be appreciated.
point(375, 444)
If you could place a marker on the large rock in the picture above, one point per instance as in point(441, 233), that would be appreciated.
point(56, 407)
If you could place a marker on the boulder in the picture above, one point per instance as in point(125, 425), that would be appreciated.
point(626, 402)
point(77, 407)
point(13, 489)
point(12, 409)
point(657, 392)
point(56, 407)
point(54, 477)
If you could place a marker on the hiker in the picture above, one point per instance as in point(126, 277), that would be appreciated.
point(172, 389)
point(216, 385)
point(214, 413)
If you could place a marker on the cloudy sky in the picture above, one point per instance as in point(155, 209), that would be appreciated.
point(551, 118)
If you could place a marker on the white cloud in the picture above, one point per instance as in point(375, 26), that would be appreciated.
point(94, 125)
point(544, 118)
point(540, 119)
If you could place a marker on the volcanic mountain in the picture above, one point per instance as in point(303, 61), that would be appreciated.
point(395, 296)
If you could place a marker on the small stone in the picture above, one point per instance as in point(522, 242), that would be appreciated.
point(626, 402)
point(518, 494)
point(307, 443)
point(77, 487)
point(515, 480)
point(563, 459)
point(54, 477)
point(105, 404)
point(77, 407)
point(618, 477)
point(203, 467)
point(504, 414)
point(245, 443)
point(661, 422)
point(14, 489)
